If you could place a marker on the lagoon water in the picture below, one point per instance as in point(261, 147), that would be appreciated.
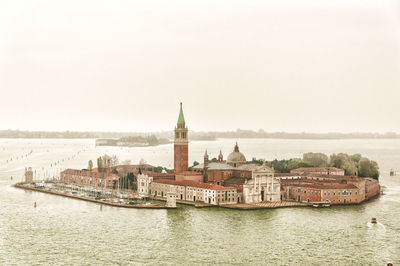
point(63, 231)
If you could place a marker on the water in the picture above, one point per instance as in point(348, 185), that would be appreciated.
point(63, 231)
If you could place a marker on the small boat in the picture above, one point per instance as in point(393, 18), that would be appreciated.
point(373, 220)
point(324, 204)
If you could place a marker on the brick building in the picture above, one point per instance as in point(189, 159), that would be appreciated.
point(89, 178)
point(337, 189)
point(181, 145)
point(193, 191)
point(318, 171)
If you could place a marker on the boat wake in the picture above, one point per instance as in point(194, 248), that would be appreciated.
point(377, 225)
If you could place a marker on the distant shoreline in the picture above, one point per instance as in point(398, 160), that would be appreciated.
point(215, 139)
point(159, 137)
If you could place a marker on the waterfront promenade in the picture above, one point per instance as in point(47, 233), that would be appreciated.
point(265, 205)
point(239, 206)
point(114, 204)
point(244, 206)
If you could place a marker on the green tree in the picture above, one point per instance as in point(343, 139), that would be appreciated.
point(316, 159)
point(356, 158)
point(100, 164)
point(90, 165)
point(368, 168)
point(152, 140)
point(344, 161)
point(296, 163)
point(256, 161)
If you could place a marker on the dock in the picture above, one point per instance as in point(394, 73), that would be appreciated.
point(264, 205)
point(113, 204)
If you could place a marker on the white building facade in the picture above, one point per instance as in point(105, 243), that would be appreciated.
point(263, 186)
point(143, 185)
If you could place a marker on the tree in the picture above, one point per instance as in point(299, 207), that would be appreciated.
point(356, 158)
point(152, 140)
point(90, 165)
point(345, 162)
point(99, 164)
point(195, 163)
point(142, 162)
point(316, 159)
point(126, 162)
point(106, 161)
point(214, 160)
point(114, 161)
point(296, 163)
point(368, 168)
point(257, 161)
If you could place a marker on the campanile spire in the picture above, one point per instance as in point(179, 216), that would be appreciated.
point(181, 144)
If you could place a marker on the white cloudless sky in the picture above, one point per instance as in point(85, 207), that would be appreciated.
point(314, 66)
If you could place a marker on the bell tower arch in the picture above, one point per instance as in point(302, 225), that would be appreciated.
point(181, 145)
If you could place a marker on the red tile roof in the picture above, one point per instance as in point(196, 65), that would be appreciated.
point(188, 183)
point(190, 173)
point(322, 185)
point(93, 174)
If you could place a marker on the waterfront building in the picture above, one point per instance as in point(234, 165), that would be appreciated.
point(171, 200)
point(263, 186)
point(231, 181)
point(95, 179)
point(28, 175)
point(194, 191)
point(341, 194)
point(336, 189)
point(143, 184)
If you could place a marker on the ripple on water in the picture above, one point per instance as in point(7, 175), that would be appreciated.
point(63, 231)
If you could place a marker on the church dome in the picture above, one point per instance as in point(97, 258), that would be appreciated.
point(236, 156)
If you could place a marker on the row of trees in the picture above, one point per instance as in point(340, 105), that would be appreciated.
point(354, 164)
point(105, 161)
point(127, 179)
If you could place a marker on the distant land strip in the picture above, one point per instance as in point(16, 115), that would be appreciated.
point(195, 135)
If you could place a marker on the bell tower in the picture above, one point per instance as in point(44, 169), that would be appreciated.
point(181, 145)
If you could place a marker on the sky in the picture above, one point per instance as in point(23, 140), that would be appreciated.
point(290, 65)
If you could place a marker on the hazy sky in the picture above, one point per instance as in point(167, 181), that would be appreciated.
point(314, 66)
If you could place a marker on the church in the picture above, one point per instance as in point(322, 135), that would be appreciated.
point(223, 182)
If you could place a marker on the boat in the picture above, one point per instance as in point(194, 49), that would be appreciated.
point(323, 204)
point(373, 220)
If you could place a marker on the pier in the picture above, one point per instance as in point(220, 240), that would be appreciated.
point(114, 204)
